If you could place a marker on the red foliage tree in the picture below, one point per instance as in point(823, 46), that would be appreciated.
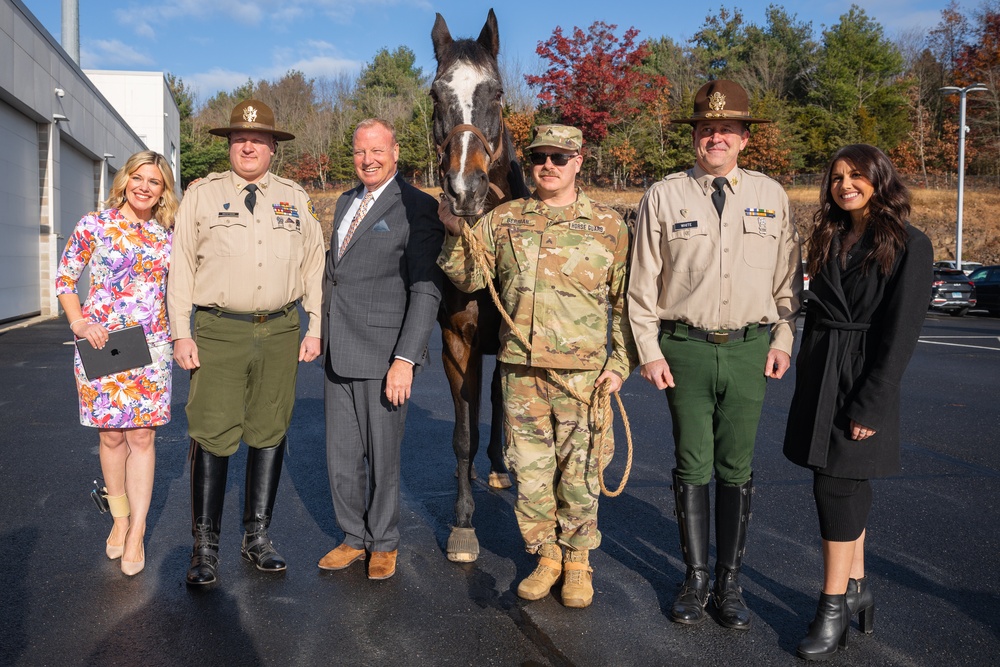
point(594, 80)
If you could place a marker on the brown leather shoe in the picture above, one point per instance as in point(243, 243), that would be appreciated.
point(382, 564)
point(341, 557)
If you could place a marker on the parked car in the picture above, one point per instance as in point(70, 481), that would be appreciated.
point(952, 292)
point(967, 267)
point(987, 283)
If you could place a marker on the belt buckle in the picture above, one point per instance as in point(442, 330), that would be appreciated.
point(718, 337)
point(259, 319)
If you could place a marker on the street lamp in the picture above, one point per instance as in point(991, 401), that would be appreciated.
point(962, 129)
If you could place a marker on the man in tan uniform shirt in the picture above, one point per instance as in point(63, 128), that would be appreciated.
point(247, 248)
point(715, 269)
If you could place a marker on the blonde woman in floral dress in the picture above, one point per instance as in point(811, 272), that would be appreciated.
point(127, 246)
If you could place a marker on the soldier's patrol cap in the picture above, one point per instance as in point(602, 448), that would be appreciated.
point(558, 136)
point(254, 116)
point(721, 99)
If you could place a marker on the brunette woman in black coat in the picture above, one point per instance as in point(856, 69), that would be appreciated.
point(867, 301)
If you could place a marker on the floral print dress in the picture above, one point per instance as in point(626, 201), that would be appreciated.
point(128, 266)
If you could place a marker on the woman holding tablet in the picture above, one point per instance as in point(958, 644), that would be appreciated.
point(127, 246)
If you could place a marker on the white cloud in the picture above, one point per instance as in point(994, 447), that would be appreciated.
point(315, 66)
point(206, 84)
point(107, 53)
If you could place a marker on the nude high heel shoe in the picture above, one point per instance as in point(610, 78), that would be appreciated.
point(119, 507)
point(132, 568)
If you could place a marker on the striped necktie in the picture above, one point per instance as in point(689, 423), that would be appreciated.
point(355, 221)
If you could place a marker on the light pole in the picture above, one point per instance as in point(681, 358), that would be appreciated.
point(962, 129)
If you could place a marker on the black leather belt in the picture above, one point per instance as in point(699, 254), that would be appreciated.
point(716, 337)
point(255, 318)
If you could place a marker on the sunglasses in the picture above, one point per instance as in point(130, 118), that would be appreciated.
point(558, 159)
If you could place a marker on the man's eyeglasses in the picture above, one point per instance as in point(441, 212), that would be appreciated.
point(558, 159)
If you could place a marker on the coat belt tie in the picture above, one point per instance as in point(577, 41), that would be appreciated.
point(826, 405)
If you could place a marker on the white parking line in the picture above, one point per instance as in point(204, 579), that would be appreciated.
point(975, 347)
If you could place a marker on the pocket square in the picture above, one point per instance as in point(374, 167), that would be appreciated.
point(380, 226)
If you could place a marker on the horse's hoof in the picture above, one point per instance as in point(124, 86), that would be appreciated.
point(463, 547)
point(499, 480)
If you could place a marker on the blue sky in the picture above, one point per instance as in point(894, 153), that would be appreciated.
point(218, 44)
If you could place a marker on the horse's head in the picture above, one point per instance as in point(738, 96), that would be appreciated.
point(468, 121)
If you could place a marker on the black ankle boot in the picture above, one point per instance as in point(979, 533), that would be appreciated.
point(692, 507)
point(860, 601)
point(208, 492)
point(263, 473)
point(828, 631)
point(732, 518)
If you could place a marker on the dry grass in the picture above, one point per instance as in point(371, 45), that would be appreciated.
point(933, 212)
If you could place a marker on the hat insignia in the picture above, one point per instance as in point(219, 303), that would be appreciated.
point(717, 101)
point(249, 114)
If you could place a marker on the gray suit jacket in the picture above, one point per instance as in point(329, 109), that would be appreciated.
point(380, 300)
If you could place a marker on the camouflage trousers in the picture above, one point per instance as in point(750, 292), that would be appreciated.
point(548, 450)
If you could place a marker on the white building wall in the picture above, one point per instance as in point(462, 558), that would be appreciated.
point(41, 84)
point(144, 100)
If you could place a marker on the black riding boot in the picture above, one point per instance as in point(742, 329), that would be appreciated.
point(263, 473)
point(692, 508)
point(828, 631)
point(208, 491)
point(732, 516)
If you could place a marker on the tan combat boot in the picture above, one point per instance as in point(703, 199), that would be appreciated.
point(578, 586)
point(538, 584)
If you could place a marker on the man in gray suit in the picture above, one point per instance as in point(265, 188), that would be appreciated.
point(381, 292)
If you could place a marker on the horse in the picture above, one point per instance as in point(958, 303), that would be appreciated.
point(477, 169)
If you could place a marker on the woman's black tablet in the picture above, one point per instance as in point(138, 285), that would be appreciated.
point(126, 349)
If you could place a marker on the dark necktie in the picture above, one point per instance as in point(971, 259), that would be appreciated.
point(719, 196)
point(251, 199)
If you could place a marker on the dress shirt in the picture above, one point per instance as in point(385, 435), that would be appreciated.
point(226, 257)
point(689, 265)
point(345, 222)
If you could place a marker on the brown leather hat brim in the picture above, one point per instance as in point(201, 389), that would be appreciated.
point(694, 119)
point(251, 127)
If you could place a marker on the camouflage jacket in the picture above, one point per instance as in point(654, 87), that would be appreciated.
point(558, 272)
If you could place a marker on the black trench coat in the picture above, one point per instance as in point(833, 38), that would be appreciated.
point(859, 335)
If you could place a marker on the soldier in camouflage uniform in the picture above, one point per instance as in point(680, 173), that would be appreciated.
point(560, 260)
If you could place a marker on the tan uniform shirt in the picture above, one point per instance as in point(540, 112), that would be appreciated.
point(244, 262)
point(717, 275)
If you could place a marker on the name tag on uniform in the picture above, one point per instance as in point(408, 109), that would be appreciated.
point(586, 227)
point(690, 224)
point(229, 214)
point(759, 212)
point(285, 209)
point(517, 222)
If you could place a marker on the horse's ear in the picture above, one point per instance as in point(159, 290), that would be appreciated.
point(489, 38)
point(441, 37)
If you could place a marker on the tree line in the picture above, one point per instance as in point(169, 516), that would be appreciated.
point(849, 83)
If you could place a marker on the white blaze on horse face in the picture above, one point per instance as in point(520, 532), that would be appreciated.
point(463, 79)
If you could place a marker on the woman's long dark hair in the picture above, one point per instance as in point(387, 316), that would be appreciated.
point(888, 211)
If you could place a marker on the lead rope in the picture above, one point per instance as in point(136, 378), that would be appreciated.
point(600, 414)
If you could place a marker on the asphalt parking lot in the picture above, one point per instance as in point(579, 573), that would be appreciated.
point(933, 540)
